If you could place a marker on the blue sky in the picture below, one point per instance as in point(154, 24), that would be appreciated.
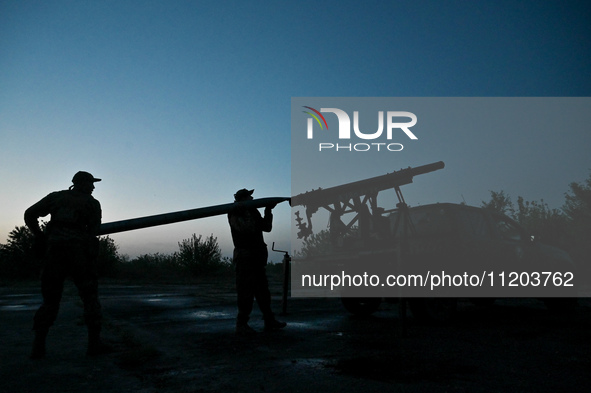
point(177, 104)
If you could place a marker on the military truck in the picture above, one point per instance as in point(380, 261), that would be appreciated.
point(469, 236)
point(443, 235)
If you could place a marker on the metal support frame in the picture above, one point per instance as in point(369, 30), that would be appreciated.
point(404, 227)
point(286, 273)
point(354, 198)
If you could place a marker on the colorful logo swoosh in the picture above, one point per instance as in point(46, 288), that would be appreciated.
point(316, 117)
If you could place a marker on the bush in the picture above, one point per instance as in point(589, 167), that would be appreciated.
point(317, 244)
point(201, 256)
point(108, 257)
point(150, 266)
point(17, 257)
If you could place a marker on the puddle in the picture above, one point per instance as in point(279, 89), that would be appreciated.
point(316, 325)
point(21, 295)
point(166, 300)
point(302, 325)
point(315, 363)
point(205, 314)
point(19, 307)
point(20, 302)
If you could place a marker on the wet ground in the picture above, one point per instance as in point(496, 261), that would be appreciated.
point(180, 338)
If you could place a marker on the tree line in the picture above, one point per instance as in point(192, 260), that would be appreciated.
point(197, 256)
point(568, 228)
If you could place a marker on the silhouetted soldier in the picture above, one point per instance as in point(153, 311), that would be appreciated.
point(250, 257)
point(71, 251)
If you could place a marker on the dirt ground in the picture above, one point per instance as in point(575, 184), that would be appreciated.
point(180, 338)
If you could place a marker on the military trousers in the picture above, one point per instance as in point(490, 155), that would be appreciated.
point(252, 284)
point(68, 260)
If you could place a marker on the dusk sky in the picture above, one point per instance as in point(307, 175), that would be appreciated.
point(178, 104)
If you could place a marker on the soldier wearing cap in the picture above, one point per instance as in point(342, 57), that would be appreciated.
point(250, 257)
point(71, 249)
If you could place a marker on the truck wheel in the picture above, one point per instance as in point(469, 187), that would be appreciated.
point(433, 310)
point(361, 306)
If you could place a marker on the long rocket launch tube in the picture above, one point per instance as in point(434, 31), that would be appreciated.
point(185, 215)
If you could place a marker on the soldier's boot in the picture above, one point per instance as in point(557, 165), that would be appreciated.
point(95, 345)
point(273, 324)
point(244, 330)
point(242, 327)
point(38, 351)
